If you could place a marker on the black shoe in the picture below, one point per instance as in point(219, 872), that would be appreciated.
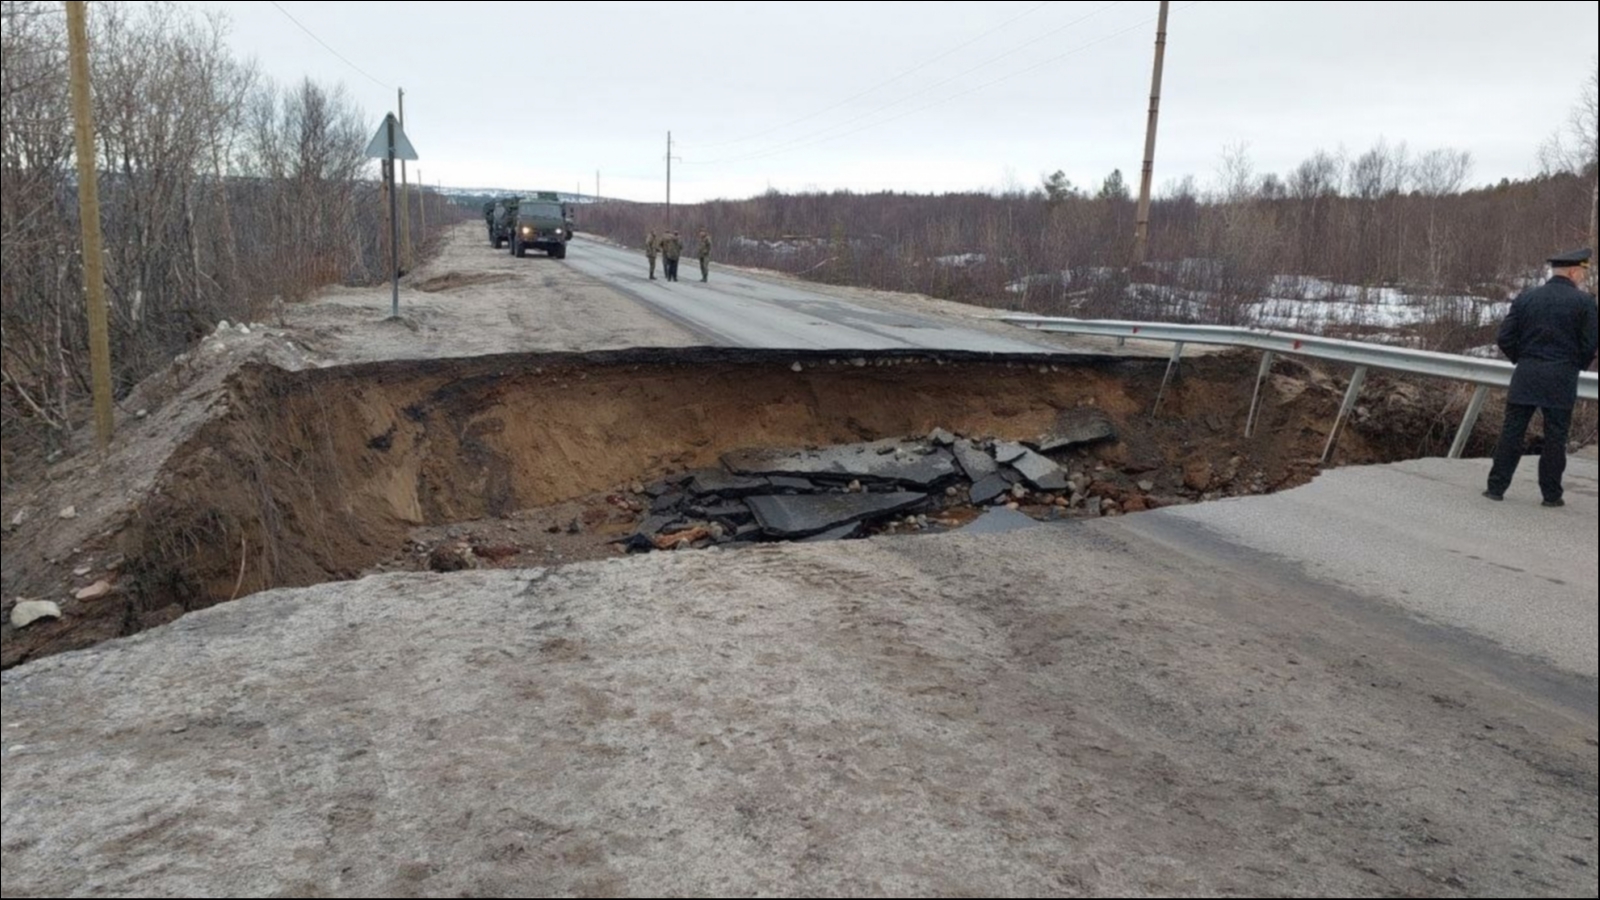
point(1555, 504)
point(1498, 498)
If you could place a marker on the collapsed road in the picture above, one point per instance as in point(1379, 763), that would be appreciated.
point(1320, 692)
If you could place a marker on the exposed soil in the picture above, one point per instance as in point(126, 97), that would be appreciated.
point(303, 477)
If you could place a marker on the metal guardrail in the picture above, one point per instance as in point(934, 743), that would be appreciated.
point(1486, 374)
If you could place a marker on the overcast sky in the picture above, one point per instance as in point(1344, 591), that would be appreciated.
point(928, 96)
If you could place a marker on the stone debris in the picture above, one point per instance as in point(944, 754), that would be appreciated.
point(30, 612)
point(97, 591)
point(1080, 427)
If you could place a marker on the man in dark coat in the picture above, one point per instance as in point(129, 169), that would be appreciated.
point(1551, 335)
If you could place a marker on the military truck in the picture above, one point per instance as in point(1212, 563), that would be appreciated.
point(501, 216)
point(540, 224)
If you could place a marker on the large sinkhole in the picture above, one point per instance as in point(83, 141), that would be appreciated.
point(325, 475)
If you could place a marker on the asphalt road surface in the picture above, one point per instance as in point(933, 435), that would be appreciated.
point(737, 310)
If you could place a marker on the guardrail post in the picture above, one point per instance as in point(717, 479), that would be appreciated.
point(1351, 397)
point(1469, 422)
point(1255, 402)
point(1172, 369)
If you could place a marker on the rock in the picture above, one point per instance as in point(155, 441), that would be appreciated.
point(452, 558)
point(224, 327)
point(18, 519)
point(1137, 505)
point(797, 368)
point(1199, 475)
point(682, 528)
point(683, 540)
point(28, 612)
point(575, 528)
point(989, 489)
point(942, 438)
point(1019, 493)
point(1147, 486)
point(1040, 472)
point(81, 573)
point(799, 517)
point(1078, 428)
point(976, 463)
point(142, 414)
point(636, 488)
point(244, 330)
point(855, 488)
point(952, 492)
point(718, 532)
point(1095, 507)
point(1014, 507)
point(69, 513)
point(658, 490)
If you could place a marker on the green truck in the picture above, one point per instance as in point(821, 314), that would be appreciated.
point(541, 222)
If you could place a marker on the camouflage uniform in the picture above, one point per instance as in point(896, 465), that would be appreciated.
point(672, 250)
point(705, 256)
point(652, 249)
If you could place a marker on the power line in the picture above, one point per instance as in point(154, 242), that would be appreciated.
point(761, 154)
point(982, 87)
point(880, 86)
point(279, 7)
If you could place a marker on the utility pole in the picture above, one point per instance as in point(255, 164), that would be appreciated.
point(422, 203)
point(394, 215)
point(405, 195)
point(669, 180)
point(1141, 243)
point(597, 185)
point(94, 262)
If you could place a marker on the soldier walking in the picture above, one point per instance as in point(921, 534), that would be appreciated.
point(652, 249)
point(672, 251)
point(705, 256)
point(1551, 335)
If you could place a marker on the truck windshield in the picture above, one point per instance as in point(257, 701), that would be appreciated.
point(541, 211)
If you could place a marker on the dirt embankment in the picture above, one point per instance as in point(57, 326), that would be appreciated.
point(309, 476)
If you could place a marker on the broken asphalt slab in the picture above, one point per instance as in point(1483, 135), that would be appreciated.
point(715, 482)
point(908, 465)
point(989, 490)
point(801, 517)
point(1001, 521)
point(1078, 428)
point(978, 464)
point(1041, 473)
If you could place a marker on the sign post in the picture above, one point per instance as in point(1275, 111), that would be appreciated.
point(390, 145)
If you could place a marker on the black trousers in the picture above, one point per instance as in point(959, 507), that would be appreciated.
point(672, 269)
point(1513, 442)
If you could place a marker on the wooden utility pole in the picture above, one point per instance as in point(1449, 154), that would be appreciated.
point(405, 196)
point(1141, 243)
point(669, 180)
point(422, 203)
point(94, 262)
